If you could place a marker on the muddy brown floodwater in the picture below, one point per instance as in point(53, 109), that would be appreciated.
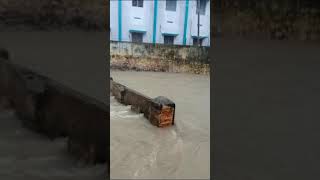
point(142, 151)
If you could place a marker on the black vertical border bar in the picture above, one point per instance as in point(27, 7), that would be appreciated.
point(107, 58)
point(214, 8)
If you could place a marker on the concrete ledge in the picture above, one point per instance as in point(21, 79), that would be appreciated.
point(55, 110)
point(159, 111)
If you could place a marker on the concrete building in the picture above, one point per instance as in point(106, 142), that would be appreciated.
point(160, 21)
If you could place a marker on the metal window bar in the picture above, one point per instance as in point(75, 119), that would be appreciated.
point(168, 39)
point(137, 37)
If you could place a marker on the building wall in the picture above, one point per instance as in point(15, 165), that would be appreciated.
point(114, 20)
point(204, 23)
point(131, 21)
point(142, 20)
point(177, 19)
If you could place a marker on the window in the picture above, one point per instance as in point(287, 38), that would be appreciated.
point(168, 39)
point(171, 5)
point(195, 41)
point(202, 7)
point(137, 3)
point(137, 37)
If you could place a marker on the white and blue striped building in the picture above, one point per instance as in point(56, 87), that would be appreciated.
point(160, 21)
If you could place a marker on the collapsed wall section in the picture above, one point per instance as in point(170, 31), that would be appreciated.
point(159, 111)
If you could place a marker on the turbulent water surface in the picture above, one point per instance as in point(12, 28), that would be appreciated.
point(140, 150)
point(28, 155)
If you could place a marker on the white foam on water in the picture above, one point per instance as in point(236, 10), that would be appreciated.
point(28, 155)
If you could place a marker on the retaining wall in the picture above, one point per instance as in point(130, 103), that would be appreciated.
point(159, 57)
point(55, 110)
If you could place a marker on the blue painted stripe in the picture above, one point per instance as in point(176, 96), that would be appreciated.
point(185, 23)
point(155, 21)
point(120, 20)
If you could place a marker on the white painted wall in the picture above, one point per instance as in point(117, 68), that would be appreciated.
point(204, 23)
point(114, 20)
point(141, 19)
point(177, 19)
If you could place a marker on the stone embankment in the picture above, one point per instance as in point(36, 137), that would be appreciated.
point(159, 58)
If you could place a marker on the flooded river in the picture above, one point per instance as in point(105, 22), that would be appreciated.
point(140, 150)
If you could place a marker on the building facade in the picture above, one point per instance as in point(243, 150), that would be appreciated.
point(160, 21)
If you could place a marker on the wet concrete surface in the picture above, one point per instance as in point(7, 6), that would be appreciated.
point(142, 151)
point(266, 110)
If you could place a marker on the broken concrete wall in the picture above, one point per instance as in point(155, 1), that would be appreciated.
point(85, 121)
point(13, 90)
point(53, 109)
point(159, 111)
point(159, 57)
